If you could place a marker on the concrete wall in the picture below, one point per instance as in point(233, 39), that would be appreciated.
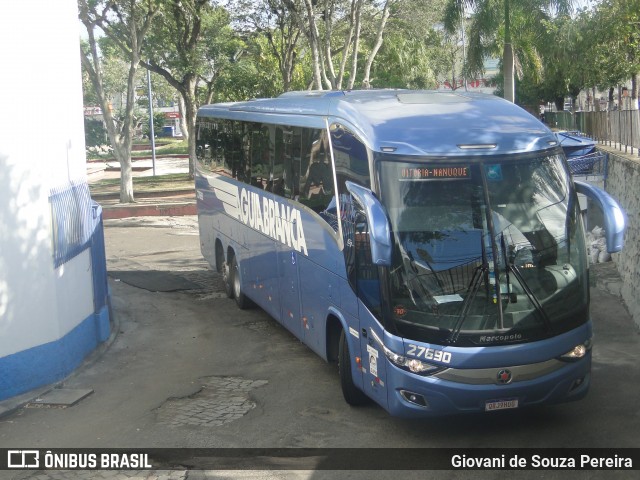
point(623, 183)
point(47, 315)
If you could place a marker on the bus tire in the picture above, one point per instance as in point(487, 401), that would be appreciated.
point(352, 394)
point(241, 299)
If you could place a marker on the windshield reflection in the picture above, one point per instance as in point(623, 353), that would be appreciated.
point(484, 248)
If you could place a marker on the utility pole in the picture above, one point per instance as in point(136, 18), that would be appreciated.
point(152, 136)
point(464, 52)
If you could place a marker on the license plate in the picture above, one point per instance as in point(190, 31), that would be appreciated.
point(500, 405)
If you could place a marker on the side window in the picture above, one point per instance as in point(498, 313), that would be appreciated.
point(242, 151)
point(352, 164)
point(316, 181)
point(351, 157)
point(212, 146)
point(277, 180)
point(259, 148)
point(204, 143)
point(361, 272)
point(226, 145)
point(292, 151)
point(219, 143)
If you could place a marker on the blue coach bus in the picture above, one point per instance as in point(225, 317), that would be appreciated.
point(431, 244)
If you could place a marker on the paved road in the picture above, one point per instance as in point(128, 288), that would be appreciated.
point(188, 369)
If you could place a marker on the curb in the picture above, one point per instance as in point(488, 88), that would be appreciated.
point(179, 192)
point(110, 212)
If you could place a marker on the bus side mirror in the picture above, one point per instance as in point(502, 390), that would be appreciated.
point(614, 217)
point(379, 228)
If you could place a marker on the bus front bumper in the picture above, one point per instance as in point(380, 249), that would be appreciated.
point(412, 396)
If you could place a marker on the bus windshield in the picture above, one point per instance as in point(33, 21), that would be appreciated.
point(484, 253)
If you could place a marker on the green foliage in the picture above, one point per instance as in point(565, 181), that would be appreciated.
point(158, 123)
point(495, 23)
point(239, 49)
point(614, 40)
point(94, 133)
point(405, 62)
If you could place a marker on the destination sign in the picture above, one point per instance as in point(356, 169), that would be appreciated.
point(435, 173)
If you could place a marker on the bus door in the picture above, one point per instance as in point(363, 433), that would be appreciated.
point(369, 311)
point(363, 279)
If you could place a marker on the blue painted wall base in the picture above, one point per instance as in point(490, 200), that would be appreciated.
point(23, 371)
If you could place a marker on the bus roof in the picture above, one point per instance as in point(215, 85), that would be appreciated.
point(405, 122)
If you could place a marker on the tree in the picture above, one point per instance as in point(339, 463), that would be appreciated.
point(563, 76)
point(271, 20)
point(417, 52)
point(334, 29)
point(615, 43)
point(125, 22)
point(185, 48)
point(502, 25)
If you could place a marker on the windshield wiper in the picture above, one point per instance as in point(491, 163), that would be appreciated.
point(510, 267)
point(480, 272)
point(532, 297)
point(472, 290)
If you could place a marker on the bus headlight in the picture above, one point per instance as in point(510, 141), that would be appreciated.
point(577, 352)
point(411, 364)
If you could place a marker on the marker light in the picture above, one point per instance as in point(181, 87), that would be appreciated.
point(478, 146)
point(577, 352)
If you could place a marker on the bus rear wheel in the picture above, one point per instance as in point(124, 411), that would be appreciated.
point(241, 299)
point(352, 394)
point(227, 279)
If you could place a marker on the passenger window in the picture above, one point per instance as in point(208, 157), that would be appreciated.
point(260, 158)
point(292, 142)
point(205, 141)
point(316, 182)
point(229, 151)
point(276, 183)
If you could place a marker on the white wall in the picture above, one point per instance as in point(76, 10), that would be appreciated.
point(41, 147)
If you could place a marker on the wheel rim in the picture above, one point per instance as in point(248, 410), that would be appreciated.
point(236, 282)
point(225, 273)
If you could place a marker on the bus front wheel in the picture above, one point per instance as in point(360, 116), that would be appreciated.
point(241, 299)
point(352, 394)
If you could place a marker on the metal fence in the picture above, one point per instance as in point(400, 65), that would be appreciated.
point(618, 127)
point(593, 164)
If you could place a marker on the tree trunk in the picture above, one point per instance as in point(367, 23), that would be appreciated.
point(366, 81)
point(120, 140)
point(123, 155)
point(128, 37)
point(507, 57)
point(190, 112)
point(184, 129)
point(507, 62)
point(356, 46)
point(611, 102)
point(314, 44)
point(348, 40)
point(634, 91)
point(331, 79)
